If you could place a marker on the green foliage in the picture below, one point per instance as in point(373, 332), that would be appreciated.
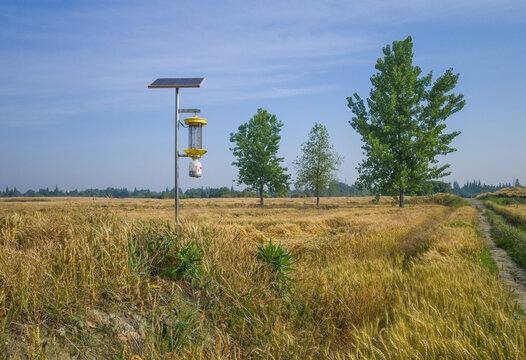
point(178, 334)
point(434, 187)
point(187, 263)
point(403, 129)
point(151, 245)
point(154, 249)
point(256, 148)
point(278, 263)
point(317, 166)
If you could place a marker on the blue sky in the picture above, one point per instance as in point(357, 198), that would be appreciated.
point(75, 110)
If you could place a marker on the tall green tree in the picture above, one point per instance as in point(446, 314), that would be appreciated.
point(403, 128)
point(316, 167)
point(256, 148)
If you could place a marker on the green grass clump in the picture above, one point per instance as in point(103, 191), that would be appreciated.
point(487, 260)
point(278, 263)
point(508, 237)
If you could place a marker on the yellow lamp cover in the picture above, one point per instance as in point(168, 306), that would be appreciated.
point(195, 120)
point(195, 153)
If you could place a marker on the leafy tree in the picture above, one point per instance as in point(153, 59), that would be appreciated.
point(403, 128)
point(256, 147)
point(318, 164)
point(456, 187)
point(434, 187)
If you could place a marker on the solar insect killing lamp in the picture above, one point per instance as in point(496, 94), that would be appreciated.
point(195, 144)
point(195, 131)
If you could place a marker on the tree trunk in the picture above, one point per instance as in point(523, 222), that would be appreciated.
point(261, 197)
point(401, 197)
point(317, 198)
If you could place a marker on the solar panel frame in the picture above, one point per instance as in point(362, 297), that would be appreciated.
point(163, 83)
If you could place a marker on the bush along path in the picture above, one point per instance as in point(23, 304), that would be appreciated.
point(510, 273)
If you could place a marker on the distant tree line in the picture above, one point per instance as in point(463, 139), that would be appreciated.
point(335, 188)
point(125, 193)
point(472, 188)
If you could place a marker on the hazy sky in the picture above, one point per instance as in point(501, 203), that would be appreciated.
point(75, 110)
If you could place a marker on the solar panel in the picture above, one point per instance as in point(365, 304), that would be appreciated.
point(177, 83)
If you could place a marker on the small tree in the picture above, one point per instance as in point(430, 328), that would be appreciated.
point(256, 147)
point(403, 130)
point(316, 167)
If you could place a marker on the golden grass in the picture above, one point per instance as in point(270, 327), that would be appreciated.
point(517, 191)
point(371, 281)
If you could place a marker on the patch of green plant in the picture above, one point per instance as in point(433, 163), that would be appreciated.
point(150, 244)
point(154, 249)
point(121, 355)
point(278, 263)
point(504, 201)
point(487, 260)
point(186, 263)
point(508, 237)
point(177, 334)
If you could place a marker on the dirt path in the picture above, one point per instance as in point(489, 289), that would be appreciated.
point(512, 275)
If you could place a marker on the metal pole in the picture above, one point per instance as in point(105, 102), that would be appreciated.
point(177, 160)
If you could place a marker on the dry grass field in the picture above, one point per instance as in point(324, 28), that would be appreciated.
point(514, 192)
point(107, 278)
